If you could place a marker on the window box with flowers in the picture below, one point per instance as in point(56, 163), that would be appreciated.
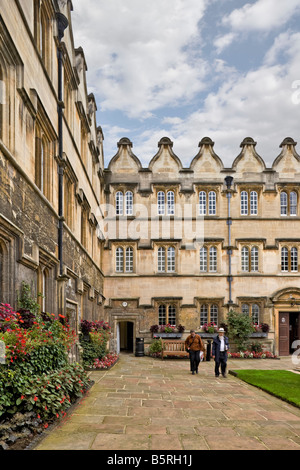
point(167, 331)
point(260, 331)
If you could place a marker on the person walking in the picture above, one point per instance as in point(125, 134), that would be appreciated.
point(194, 344)
point(220, 347)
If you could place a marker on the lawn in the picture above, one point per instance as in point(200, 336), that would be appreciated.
point(280, 383)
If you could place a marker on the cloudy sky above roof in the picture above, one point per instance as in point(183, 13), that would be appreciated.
point(186, 69)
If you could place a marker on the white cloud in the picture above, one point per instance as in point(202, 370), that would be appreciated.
point(139, 54)
point(224, 41)
point(263, 15)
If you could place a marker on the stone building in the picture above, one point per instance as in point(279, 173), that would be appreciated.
point(51, 163)
point(185, 245)
point(131, 245)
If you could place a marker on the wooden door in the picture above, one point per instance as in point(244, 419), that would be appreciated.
point(284, 334)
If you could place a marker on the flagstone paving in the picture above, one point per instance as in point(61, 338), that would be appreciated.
point(149, 404)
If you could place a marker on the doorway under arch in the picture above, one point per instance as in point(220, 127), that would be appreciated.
point(125, 331)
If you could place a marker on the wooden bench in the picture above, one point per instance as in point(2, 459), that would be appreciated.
point(175, 347)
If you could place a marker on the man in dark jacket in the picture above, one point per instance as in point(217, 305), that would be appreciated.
point(194, 344)
point(219, 352)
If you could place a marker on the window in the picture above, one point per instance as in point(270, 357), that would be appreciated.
point(119, 203)
point(171, 259)
point(244, 203)
point(253, 203)
point(208, 259)
point(202, 203)
point(245, 259)
point(161, 260)
point(203, 314)
point(254, 259)
point(129, 260)
point(255, 313)
point(167, 314)
point(289, 259)
point(284, 259)
point(203, 259)
point(288, 203)
point(164, 253)
point(84, 217)
point(119, 260)
point(129, 203)
point(213, 259)
point(161, 203)
point(170, 203)
point(41, 158)
point(253, 309)
point(212, 203)
point(249, 203)
point(162, 316)
point(209, 313)
point(2, 101)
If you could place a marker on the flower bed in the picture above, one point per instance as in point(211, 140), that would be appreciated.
point(251, 355)
point(105, 363)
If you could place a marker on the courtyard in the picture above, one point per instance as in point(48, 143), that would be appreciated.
point(144, 403)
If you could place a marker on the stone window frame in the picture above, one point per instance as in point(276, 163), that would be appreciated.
point(43, 17)
point(287, 259)
point(208, 258)
point(166, 201)
point(247, 308)
point(206, 315)
point(165, 261)
point(123, 205)
point(247, 205)
point(168, 306)
point(286, 206)
point(206, 203)
point(127, 258)
point(253, 259)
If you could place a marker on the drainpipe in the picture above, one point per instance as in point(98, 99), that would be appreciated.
point(62, 24)
point(228, 181)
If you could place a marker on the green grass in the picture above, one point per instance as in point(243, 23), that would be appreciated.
point(280, 383)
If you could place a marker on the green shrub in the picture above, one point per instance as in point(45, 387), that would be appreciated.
point(155, 347)
point(239, 328)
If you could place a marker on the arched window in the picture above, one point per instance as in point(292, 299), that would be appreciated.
point(213, 259)
point(245, 259)
point(293, 203)
point(203, 314)
point(202, 203)
point(119, 260)
point(253, 203)
point(244, 203)
point(2, 100)
point(294, 259)
point(161, 203)
point(245, 309)
point(255, 314)
point(162, 315)
point(172, 315)
point(283, 203)
point(161, 260)
point(203, 259)
point(44, 289)
point(284, 259)
point(129, 260)
point(129, 203)
point(212, 203)
point(214, 311)
point(119, 203)
point(170, 203)
point(171, 259)
point(254, 259)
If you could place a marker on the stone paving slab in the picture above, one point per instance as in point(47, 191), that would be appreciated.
point(149, 404)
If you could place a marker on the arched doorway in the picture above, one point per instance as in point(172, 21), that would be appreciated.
point(287, 320)
point(125, 331)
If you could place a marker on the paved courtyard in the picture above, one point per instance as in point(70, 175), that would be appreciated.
point(149, 404)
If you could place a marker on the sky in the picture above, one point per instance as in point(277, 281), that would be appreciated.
point(188, 69)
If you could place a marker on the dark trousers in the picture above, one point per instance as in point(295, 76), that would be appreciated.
point(194, 360)
point(221, 362)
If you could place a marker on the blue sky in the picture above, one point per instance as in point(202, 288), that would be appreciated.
point(186, 69)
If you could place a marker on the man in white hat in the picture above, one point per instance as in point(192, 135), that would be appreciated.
point(220, 347)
